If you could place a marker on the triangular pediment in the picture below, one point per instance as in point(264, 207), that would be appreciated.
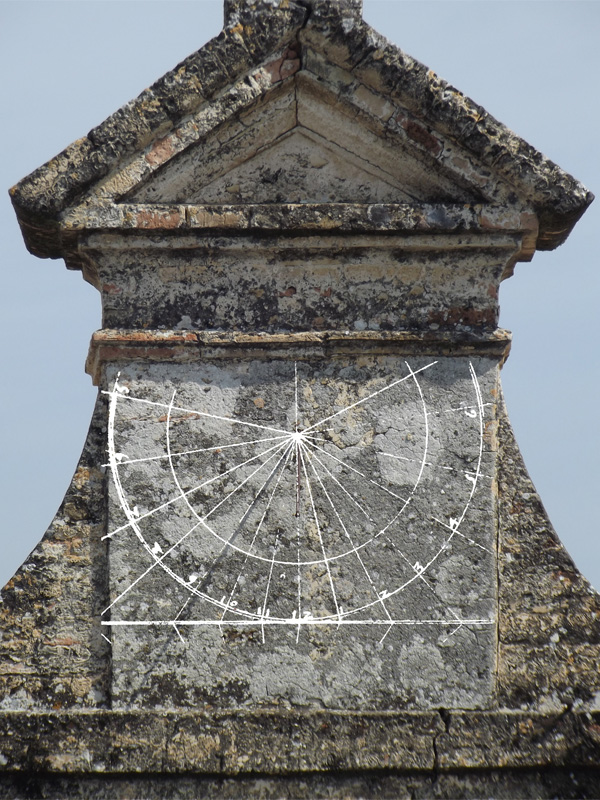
point(306, 145)
point(298, 167)
point(299, 107)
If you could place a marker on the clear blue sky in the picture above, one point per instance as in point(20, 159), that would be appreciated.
point(534, 64)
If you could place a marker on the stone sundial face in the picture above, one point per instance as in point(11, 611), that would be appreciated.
point(270, 500)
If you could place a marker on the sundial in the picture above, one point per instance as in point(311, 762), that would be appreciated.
point(301, 553)
point(273, 502)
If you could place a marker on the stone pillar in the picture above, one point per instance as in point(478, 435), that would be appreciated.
point(297, 515)
point(301, 551)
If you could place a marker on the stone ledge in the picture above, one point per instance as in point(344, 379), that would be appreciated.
point(111, 345)
point(269, 742)
point(545, 784)
point(286, 742)
point(305, 217)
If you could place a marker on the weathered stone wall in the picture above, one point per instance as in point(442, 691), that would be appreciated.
point(318, 571)
point(53, 655)
point(333, 283)
point(545, 710)
point(302, 231)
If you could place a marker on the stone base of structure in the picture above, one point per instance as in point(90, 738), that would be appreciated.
point(541, 737)
point(503, 784)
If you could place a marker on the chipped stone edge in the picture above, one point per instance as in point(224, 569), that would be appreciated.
point(559, 200)
point(114, 345)
point(288, 741)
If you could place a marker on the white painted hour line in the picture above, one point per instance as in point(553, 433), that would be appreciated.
point(459, 470)
point(182, 609)
point(284, 458)
point(231, 420)
point(369, 397)
point(316, 517)
point(462, 535)
point(299, 573)
point(294, 622)
point(343, 488)
point(419, 573)
point(201, 521)
point(265, 608)
point(150, 568)
point(346, 532)
point(296, 395)
point(185, 495)
point(216, 448)
point(466, 408)
point(177, 631)
point(358, 472)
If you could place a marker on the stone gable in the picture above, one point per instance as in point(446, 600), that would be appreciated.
point(301, 551)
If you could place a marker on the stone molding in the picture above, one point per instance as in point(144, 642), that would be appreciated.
point(285, 742)
point(347, 42)
point(111, 345)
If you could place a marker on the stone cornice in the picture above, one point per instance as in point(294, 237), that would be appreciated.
point(185, 346)
point(274, 742)
point(39, 199)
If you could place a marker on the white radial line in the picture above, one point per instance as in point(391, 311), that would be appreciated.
point(218, 448)
point(316, 516)
point(177, 631)
point(465, 408)
point(462, 535)
point(296, 394)
point(184, 495)
point(342, 487)
point(284, 458)
point(313, 437)
point(298, 560)
point(366, 399)
point(239, 486)
point(156, 562)
point(232, 420)
point(419, 573)
point(264, 605)
point(264, 609)
point(181, 610)
point(431, 464)
point(358, 472)
point(347, 533)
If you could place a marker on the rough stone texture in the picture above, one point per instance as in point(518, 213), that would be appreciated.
point(299, 209)
point(433, 117)
point(325, 282)
point(53, 655)
point(500, 784)
point(366, 501)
